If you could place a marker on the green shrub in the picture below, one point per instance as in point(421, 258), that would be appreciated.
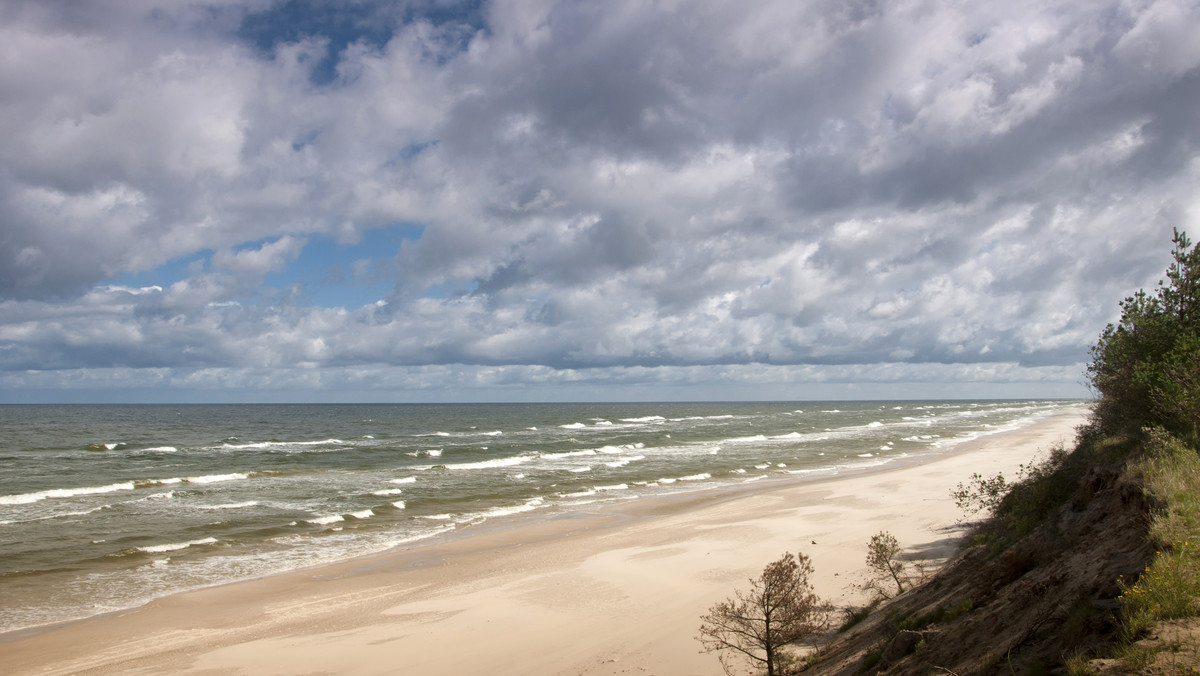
point(1020, 505)
point(938, 615)
point(854, 616)
point(871, 660)
point(1168, 588)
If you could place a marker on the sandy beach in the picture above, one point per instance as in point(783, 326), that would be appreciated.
point(617, 590)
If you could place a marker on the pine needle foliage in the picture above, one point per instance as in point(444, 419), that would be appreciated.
point(754, 626)
point(1146, 367)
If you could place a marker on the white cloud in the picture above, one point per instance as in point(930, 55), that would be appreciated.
point(270, 257)
point(665, 186)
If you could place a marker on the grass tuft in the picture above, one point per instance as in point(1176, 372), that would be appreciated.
point(1168, 588)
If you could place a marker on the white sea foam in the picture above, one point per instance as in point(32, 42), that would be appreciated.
point(615, 450)
point(27, 498)
point(581, 470)
point(644, 419)
point(527, 506)
point(230, 505)
point(498, 462)
point(405, 480)
point(260, 445)
point(174, 546)
point(746, 440)
point(216, 478)
point(364, 514)
point(326, 520)
point(160, 449)
point(696, 477)
point(438, 517)
point(399, 504)
point(161, 482)
point(573, 426)
point(429, 453)
point(614, 487)
point(567, 454)
point(388, 491)
point(55, 515)
point(493, 434)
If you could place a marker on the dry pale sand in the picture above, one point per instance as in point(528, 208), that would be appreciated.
point(618, 590)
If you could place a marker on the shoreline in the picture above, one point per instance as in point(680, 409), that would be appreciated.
point(598, 591)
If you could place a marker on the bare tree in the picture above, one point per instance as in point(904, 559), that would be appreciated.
point(882, 555)
point(780, 608)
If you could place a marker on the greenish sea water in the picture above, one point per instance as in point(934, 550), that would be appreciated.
point(106, 507)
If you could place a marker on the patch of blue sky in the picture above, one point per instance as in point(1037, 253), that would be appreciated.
point(168, 273)
point(413, 149)
point(334, 274)
point(327, 273)
point(342, 23)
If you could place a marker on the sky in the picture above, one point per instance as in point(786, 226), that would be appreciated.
point(534, 200)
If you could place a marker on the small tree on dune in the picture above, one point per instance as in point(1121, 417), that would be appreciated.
point(780, 608)
point(882, 553)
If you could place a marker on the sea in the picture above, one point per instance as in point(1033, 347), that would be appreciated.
point(105, 507)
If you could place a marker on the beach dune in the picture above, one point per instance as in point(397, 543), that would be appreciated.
point(617, 590)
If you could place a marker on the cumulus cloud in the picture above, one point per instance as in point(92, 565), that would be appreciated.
point(622, 185)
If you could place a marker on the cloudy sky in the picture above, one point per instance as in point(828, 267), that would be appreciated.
point(441, 200)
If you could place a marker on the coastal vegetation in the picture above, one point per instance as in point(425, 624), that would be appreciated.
point(755, 626)
point(882, 558)
point(1088, 559)
point(888, 574)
